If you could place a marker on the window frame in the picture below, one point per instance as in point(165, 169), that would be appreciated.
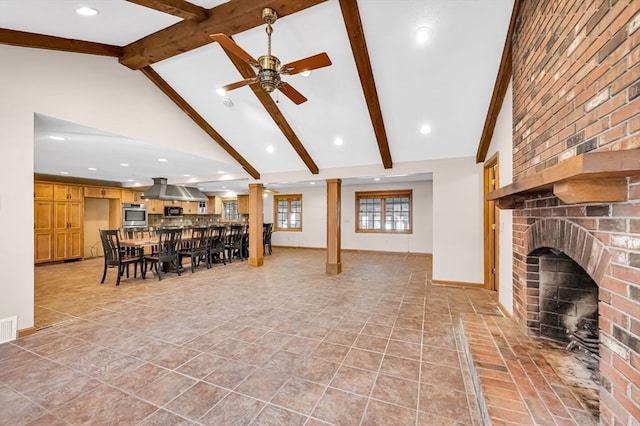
point(383, 196)
point(289, 198)
point(224, 209)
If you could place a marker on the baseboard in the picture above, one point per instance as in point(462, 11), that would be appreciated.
point(26, 331)
point(504, 310)
point(359, 251)
point(457, 284)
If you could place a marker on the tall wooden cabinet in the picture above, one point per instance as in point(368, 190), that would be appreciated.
point(43, 222)
point(58, 223)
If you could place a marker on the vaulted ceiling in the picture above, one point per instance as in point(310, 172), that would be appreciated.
point(380, 90)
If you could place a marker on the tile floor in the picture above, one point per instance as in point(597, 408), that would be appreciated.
point(284, 344)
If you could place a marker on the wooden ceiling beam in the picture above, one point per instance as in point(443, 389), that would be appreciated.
point(248, 72)
point(228, 18)
point(180, 8)
point(198, 119)
point(499, 90)
point(351, 16)
point(39, 41)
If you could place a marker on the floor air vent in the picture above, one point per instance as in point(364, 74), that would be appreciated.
point(8, 329)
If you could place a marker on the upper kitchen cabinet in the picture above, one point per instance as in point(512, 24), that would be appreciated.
point(42, 191)
point(190, 207)
point(63, 192)
point(243, 204)
point(155, 206)
point(129, 196)
point(98, 192)
point(214, 205)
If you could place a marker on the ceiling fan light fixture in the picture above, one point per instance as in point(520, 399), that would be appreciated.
point(305, 73)
point(220, 91)
point(227, 102)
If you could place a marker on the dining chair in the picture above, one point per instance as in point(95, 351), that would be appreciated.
point(234, 244)
point(216, 244)
point(115, 256)
point(267, 230)
point(196, 248)
point(166, 256)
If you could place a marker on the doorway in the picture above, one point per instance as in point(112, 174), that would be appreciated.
point(491, 228)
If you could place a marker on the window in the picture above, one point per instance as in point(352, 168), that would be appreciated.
point(384, 211)
point(231, 209)
point(288, 212)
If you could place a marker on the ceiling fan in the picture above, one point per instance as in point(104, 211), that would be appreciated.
point(268, 66)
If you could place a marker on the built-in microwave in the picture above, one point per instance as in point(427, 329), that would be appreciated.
point(134, 215)
point(172, 211)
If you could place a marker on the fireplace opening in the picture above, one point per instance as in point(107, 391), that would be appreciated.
point(562, 308)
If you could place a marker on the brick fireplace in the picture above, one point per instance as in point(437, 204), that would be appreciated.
point(576, 92)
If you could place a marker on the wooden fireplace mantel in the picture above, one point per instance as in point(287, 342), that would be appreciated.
point(587, 178)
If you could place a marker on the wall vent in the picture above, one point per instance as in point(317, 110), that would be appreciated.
point(8, 329)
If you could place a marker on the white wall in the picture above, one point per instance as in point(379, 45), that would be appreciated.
point(501, 143)
point(314, 222)
point(90, 90)
point(457, 221)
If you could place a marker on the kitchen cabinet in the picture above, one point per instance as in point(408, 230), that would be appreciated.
point(129, 196)
point(190, 207)
point(155, 206)
point(63, 192)
point(214, 205)
point(97, 192)
point(243, 204)
point(42, 191)
point(43, 229)
point(67, 219)
point(57, 221)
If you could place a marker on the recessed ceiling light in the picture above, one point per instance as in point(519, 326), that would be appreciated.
point(423, 35)
point(376, 178)
point(425, 129)
point(220, 91)
point(56, 138)
point(93, 169)
point(64, 173)
point(270, 148)
point(312, 183)
point(124, 164)
point(162, 160)
point(305, 73)
point(130, 180)
point(224, 187)
point(87, 11)
point(338, 141)
point(185, 175)
point(220, 172)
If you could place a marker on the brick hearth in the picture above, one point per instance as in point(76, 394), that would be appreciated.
point(516, 383)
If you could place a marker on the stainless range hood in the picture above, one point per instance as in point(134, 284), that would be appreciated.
point(160, 190)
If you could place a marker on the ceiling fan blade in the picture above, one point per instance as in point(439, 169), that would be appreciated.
point(291, 93)
point(229, 45)
point(238, 84)
point(307, 64)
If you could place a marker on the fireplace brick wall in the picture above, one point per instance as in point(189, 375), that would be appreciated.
point(576, 88)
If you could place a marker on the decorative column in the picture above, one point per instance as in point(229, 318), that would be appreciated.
point(256, 218)
point(334, 262)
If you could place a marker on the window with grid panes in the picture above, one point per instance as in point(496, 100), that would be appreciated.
point(231, 209)
point(384, 211)
point(288, 212)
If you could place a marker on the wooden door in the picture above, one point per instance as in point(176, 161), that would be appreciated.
point(491, 226)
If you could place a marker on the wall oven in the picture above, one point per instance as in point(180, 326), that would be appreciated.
point(134, 215)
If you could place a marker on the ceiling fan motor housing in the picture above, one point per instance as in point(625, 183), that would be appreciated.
point(269, 75)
